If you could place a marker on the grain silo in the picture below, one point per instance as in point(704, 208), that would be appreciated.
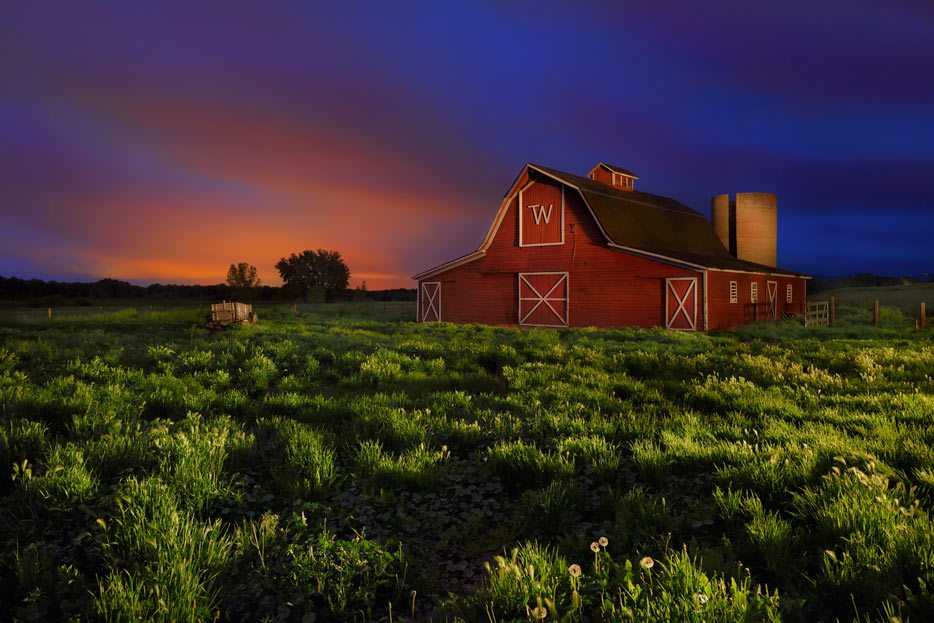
point(747, 226)
point(724, 222)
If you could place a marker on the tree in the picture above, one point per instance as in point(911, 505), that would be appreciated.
point(314, 269)
point(359, 293)
point(242, 275)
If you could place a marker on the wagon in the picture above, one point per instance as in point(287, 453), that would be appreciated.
point(229, 313)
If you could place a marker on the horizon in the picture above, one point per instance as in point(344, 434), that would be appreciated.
point(162, 144)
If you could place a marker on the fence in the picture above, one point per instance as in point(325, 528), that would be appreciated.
point(817, 314)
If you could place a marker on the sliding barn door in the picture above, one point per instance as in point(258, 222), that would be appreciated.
point(429, 302)
point(681, 303)
point(772, 287)
point(543, 299)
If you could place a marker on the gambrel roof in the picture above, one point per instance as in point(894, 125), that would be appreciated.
point(636, 222)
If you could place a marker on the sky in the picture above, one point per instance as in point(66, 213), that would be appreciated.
point(161, 142)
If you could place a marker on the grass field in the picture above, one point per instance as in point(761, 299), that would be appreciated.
point(349, 467)
point(902, 299)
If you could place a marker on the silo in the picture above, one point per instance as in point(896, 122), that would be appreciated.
point(757, 228)
point(720, 212)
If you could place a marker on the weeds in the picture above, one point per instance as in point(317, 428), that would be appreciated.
point(342, 466)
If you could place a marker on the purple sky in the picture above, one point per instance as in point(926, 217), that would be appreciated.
point(163, 141)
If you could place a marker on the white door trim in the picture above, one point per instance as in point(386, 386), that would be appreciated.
point(433, 301)
point(521, 211)
point(681, 300)
point(771, 288)
point(540, 298)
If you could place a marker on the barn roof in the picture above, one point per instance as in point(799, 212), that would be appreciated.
point(636, 222)
point(656, 225)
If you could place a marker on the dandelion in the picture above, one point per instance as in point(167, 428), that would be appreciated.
point(540, 613)
point(575, 570)
point(595, 547)
point(603, 541)
point(647, 563)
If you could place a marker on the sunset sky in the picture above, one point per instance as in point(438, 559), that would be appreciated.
point(160, 142)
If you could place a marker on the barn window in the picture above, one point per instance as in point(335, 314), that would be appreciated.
point(754, 292)
point(733, 295)
point(788, 292)
point(623, 181)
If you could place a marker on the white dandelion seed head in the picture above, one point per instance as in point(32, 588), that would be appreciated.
point(647, 562)
point(603, 541)
point(575, 570)
point(595, 547)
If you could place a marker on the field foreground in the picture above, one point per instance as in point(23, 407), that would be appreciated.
point(337, 469)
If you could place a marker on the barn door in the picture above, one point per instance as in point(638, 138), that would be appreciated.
point(543, 299)
point(429, 302)
point(772, 287)
point(681, 303)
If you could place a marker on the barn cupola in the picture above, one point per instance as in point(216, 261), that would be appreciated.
point(614, 176)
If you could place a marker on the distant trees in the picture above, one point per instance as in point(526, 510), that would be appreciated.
point(242, 275)
point(314, 269)
point(360, 292)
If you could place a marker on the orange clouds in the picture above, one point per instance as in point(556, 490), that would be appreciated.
point(255, 188)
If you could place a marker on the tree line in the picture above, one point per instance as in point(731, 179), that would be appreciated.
point(314, 276)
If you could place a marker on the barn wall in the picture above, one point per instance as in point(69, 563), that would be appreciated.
point(606, 287)
point(722, 314)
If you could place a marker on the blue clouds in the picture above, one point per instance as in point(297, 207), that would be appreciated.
point(825, 104)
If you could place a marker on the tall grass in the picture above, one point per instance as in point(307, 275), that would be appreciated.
point(344, 465)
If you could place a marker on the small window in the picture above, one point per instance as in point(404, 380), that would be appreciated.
point(754, 292)
point(622, 181)
point(733, 296)
point(788, 292)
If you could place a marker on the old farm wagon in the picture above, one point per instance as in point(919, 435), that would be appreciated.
point(229, 313)
point(566, 250)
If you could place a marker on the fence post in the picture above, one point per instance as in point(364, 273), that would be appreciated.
point(875, 313)
point(833, 310)
point(922, 314)
point(50, 313)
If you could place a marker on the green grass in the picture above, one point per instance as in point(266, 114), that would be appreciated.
point(904, 299)
point(338, 463)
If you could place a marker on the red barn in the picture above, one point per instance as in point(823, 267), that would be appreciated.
point(565, 250)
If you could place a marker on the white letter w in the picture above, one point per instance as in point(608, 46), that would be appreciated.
point(540, 212)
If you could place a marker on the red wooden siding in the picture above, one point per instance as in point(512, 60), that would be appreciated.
point(723, 314)
point(602, 175)
point(605, 287)
point(623, 182)
point(542, 214)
